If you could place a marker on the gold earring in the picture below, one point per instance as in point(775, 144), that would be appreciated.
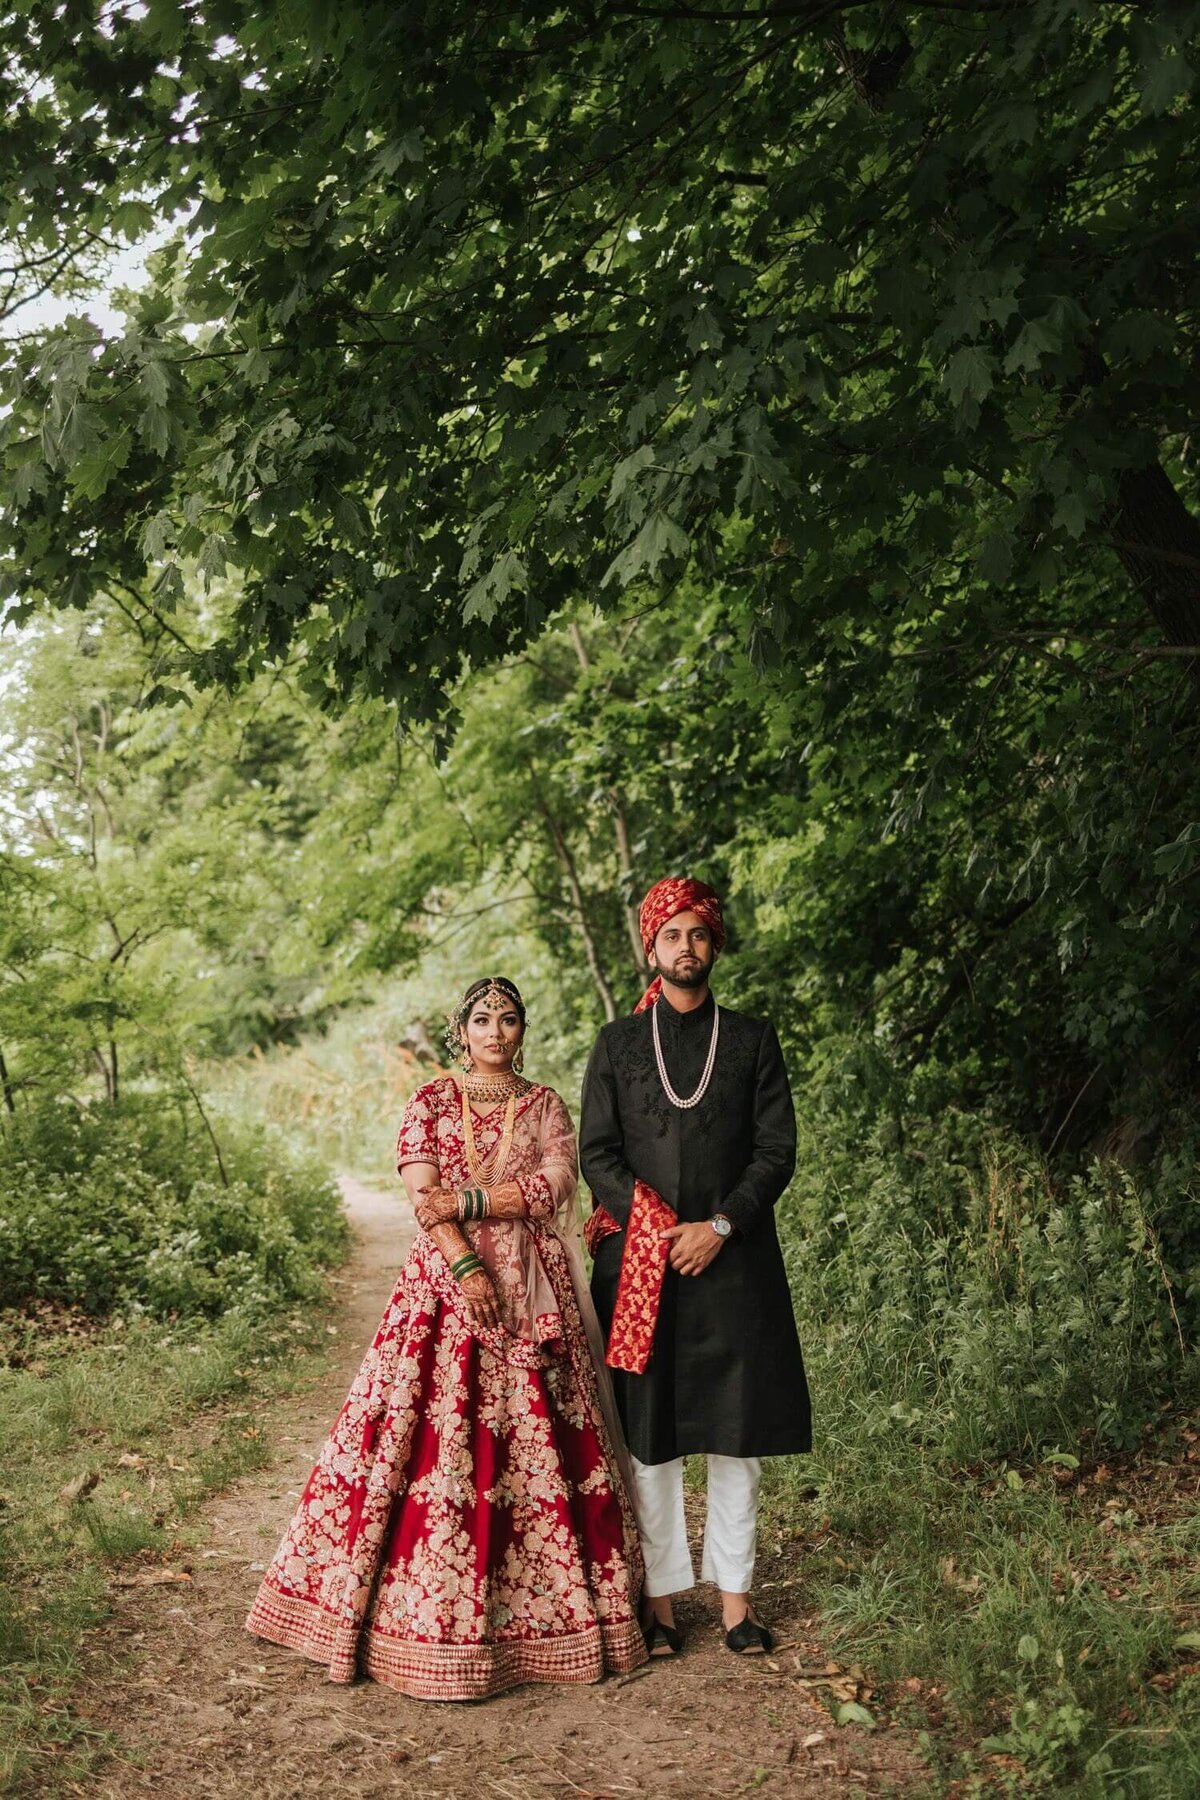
point(466, 1061)
point(518, 1061)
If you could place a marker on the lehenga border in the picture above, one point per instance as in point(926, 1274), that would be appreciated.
point(444, 1671)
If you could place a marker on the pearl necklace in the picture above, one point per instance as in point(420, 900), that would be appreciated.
point(710, 1060)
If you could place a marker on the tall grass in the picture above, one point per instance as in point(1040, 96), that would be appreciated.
point(1002, 1371)
point(159, 1309)
point(162, 1415)
point(341, 1093)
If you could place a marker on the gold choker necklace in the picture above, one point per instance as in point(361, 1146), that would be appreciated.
point(495, 1087)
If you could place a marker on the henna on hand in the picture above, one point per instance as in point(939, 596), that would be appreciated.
point(450, 1240)
point(434, 1205)
point(480, 1297)
point(507, 1202)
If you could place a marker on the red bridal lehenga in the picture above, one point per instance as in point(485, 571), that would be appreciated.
point(467, 1526)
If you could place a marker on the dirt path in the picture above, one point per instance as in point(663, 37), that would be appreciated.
point(206, 1711)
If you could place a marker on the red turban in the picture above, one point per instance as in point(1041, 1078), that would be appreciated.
point(678, 893)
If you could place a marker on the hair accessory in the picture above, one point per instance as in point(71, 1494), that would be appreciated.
point(493, 991)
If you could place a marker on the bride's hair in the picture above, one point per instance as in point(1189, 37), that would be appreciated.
point(461, 1011)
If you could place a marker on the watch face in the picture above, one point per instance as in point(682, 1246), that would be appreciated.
point(722, 1227)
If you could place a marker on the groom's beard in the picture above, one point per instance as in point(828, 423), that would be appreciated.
point(692, 975)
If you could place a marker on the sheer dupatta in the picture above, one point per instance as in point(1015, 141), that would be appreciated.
point(509, 1248)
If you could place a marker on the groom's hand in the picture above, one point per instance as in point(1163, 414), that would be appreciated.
point(694, 1246)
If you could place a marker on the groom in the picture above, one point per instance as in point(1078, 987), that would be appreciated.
point(687, 1139)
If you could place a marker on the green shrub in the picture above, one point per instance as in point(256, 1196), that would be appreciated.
point(992, 1312)
point(126, 1209)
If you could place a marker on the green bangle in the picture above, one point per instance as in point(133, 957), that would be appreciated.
point(472, 1203)
point(466, 1265)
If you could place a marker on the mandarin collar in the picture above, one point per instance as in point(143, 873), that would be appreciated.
point(684, 1021)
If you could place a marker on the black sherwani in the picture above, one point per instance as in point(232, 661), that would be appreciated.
point(725, 1375)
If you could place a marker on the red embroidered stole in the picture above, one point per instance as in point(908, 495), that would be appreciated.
point(639, 1288)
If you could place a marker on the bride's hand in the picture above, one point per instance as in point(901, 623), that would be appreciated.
point(434, 1205)
point(480, 1296)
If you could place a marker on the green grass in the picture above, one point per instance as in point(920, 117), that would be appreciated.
point(179, 1403)
point(1027, 1619)
point(1004, 1529)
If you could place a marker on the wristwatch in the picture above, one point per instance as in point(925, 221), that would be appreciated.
point(721, 1225)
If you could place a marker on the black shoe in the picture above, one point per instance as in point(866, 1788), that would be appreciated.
point(749, 1638)
point(671, 1640)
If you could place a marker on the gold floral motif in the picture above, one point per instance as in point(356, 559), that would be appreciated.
point(380, 1569)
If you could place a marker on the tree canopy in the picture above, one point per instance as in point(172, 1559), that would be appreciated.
point(878, 323)
point(789, 404)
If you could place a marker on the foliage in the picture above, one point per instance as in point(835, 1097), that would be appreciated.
point(848, 373)
point(997, 1511)
point(630, 439)
point(126, 1209)
point(1025, 1317)
point(879, 324)
point(1030, 1620)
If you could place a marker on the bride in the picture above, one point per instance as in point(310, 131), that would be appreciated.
point(468, 1525)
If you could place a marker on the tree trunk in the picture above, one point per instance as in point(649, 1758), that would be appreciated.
point(621, 833)
point(1158, 542)
point(630, 910)
point(190, 1085)
point(114, 1089)
point(6, 1083)
point(583, 924)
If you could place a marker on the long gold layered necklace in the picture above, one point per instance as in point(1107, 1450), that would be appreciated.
point(488, 1171)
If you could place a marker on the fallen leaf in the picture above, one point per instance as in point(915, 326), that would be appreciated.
point(851, 1713)
point(129, 1459)
point(82, 1484)
point(813, 1738)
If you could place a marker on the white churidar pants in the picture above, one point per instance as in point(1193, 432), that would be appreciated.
point(730, 1526)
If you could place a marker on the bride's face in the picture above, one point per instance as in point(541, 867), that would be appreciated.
point(493, 1037)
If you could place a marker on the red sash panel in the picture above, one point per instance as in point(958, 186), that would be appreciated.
point(643, 1264)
